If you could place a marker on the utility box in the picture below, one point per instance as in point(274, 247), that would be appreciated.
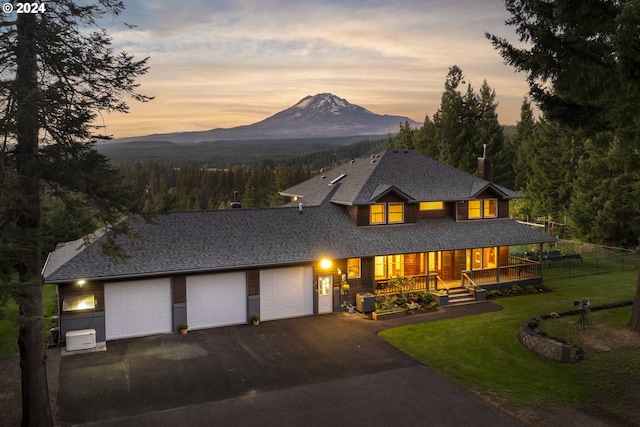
point(365, 302)
point(81, 340)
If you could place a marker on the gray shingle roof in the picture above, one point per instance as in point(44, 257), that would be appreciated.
point(187, 242)
point(420, 178)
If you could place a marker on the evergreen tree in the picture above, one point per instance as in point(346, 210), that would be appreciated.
point(57, 76)
point(405, 136)
point(449, 130)
point(523, 141)
point(582, 61)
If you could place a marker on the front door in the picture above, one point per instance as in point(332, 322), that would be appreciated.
point(325, 294)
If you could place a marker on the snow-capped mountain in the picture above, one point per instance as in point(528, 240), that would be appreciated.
point(318, 116)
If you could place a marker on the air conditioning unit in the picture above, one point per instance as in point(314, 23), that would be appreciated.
point(81, 340)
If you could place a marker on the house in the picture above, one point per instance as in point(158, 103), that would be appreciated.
point(397, 213)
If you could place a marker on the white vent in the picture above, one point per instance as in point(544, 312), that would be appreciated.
point(337, 179)
point(81, 340)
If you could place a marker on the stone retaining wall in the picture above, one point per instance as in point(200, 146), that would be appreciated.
point(531, 337)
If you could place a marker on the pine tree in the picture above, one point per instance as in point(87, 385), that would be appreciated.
point(523, 142)
point(64, 76)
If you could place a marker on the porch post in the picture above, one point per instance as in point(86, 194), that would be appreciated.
point(540, 258)
point(498, 264)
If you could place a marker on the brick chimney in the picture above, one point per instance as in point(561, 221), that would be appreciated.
point(484, 165)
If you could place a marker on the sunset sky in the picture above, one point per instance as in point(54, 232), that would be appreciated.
point(226, 63)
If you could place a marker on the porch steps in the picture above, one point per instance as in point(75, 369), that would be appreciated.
point(460, 296)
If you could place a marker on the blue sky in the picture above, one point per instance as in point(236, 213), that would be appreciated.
point(226, 63)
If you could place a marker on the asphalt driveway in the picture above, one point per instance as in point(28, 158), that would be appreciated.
point(318, 370)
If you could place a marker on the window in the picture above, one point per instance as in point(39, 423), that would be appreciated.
point(381, 213)
point(475, 209)
point(490, 208)
point(431, 206)
point(483, 208)
point(482, 258)
point(353, 268)
point(78, 302)
point(377, 215)
point(389, 266)
point(396, 213)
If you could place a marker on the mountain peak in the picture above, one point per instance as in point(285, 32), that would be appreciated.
point(314, 116)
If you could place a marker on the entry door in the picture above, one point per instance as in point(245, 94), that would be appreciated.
point(325, 294)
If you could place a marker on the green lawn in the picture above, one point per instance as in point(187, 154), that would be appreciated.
point(9, 330)
point(483, 352)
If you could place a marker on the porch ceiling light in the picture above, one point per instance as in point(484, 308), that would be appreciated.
point(325, 263)
point(81, 282)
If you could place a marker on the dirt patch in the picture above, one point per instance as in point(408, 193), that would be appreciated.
point(607, 339)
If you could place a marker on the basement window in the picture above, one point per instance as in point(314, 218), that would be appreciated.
point(78, 302)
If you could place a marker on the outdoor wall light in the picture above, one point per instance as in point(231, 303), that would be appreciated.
point(81, 283)
point(325, 263)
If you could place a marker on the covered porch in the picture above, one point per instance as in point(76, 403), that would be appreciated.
point(449, 273)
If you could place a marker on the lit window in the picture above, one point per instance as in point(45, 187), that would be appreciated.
point(353, 267)
point(396, 214)
point(489, 258)
point(377, 214)
point(475, 209)
point(380, 267)
point(78, 302)
point(490, 208)
point(389, 266)
point(431, 206)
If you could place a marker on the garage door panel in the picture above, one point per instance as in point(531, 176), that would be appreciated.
point(216, 300)
point(286, 292)
point(137, 308)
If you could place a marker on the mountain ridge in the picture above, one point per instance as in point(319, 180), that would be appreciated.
point(314, 116)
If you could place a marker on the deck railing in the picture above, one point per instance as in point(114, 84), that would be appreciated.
point(518, 268)
point(428, 282)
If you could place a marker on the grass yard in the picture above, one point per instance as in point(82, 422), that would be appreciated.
point(483, 353)
point(9, 330)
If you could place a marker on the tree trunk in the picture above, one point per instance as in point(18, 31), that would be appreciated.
point(36, 409)
point(634, 323)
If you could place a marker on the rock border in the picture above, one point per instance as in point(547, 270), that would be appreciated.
point(552, 348)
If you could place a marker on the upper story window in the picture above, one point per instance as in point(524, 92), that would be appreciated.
point(483, 208)
point(377, 214)
point(396, 213)
point(475, 209)
point(382, 213)
point(490, 208)
point(431, 206)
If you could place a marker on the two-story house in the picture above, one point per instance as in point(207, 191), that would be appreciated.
point(397, 213)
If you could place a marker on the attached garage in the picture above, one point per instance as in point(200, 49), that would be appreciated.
point(286, 292)
point(136, 308)
point(216, 299)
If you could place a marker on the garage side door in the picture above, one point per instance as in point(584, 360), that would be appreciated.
point(136, 308)
point(286, 292)
point(216, 299)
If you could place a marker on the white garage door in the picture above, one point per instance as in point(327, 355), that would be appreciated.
point(286, 292)
point(216, 299)
point(140, 307)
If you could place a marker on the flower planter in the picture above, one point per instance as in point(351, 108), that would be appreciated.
point(388, 314)
point(481, 295)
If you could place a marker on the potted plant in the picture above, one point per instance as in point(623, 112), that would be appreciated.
point(255, 319)
point(183, 327)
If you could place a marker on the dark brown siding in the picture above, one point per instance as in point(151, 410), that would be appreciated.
point(253, 282)
point(391, 198)
point(73, 289)
point(363, 215)
point(410, 213)
point(503, 209)
point(363, 284)
point(353, 213)
point(179, 289)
